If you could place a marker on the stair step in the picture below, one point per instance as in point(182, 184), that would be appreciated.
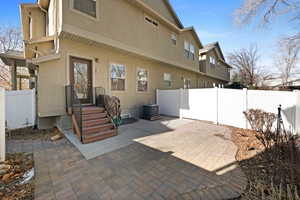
point(95, 122)
point(99, 136)
point(98, 128)
point(92, 110)
point(93, 116)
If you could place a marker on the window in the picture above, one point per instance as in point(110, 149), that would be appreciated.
point(117, 76)
point(151, 21)
point(212, 60)
point(187, 83)
point(168, 79)
point(186, 49)
point(142, 80)
point(88, 7)
point(174, 38)
point(189, 50)
point(192, 52)
point(30, 28)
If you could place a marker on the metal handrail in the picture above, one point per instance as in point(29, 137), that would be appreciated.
point(99, 93)
point(113, 107)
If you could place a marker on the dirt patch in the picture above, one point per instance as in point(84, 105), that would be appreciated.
point(32, 134)
point(248, 145)
point(271, 173)
point(16, 177)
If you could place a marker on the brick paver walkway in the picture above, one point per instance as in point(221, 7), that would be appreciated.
point(133, 172)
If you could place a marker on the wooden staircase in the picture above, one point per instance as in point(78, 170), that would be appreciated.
point(96, 125)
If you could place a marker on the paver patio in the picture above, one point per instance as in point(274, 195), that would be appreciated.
point(193, 160)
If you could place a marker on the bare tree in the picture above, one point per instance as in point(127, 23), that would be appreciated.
point(245, 61)
point(266, 10)
point(287, 59)
point(10, 39)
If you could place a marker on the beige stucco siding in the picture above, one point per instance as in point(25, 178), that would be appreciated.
point(51, 94)
point(161, 7)
point(53, 76)
point(38, 18)
point(124, 22)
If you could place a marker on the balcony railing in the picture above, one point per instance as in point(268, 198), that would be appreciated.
point(215, 70)
point(202, 66)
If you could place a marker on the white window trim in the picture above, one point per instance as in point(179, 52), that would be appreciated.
point(174, 38)
point(188, 47)
point(136, 73)
point(171, 81)
point(97, 18)
point(125, 82)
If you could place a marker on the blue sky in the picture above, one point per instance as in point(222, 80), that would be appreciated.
point(213, 20)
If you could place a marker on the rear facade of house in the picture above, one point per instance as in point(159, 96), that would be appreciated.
point(128, 48)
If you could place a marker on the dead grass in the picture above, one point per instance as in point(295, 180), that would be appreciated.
point(32, 134)
point(272, 174)
point(11, 187)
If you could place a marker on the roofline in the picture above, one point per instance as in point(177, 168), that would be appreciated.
point(174, 13)
point(31, 5)
point(215, 45)
point(195, 34)
point(179, 30)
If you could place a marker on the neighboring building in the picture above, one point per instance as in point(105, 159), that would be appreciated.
point(128, 47)
point(213, 64)
point(276, 83)
point(15, 73)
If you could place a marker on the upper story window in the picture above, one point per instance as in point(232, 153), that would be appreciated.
point(192, 52)
point(189, 50)
point(186, 49)
point(142, 80)
point(174, 38)
point(168, 79)
point(88, 7)
point(117, 76)
point(30, 28)
point(212, 60)
point(151, 21)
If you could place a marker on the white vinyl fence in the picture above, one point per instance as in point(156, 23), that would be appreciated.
point(226, 106)
point(20, 108)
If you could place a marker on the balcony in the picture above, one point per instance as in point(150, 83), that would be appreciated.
point(202, 66)
point(215, 70)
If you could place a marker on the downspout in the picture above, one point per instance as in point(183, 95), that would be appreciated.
point(47, 20)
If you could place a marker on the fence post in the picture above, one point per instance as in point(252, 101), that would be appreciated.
point(297, 111)
point(217, 105)
point(245, 108)
point(180, 102)
point(2, 124)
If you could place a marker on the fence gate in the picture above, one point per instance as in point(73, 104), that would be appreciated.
point(20, 109)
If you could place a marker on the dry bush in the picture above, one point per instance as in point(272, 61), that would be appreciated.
point(262, 123)
point(274, 173)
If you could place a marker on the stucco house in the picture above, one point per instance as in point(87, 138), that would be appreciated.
point(128, 48)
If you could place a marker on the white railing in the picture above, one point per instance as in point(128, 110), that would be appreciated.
point(226, 106)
